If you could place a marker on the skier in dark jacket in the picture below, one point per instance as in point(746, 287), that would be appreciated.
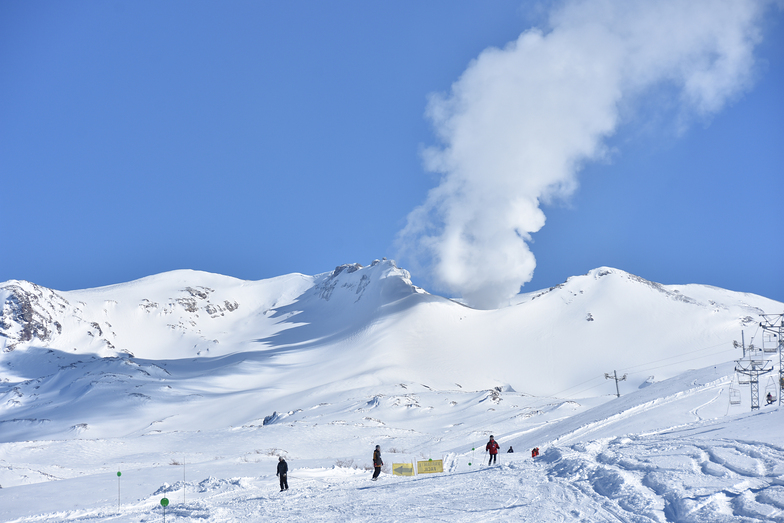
point(510, 451)
point(283, 470)
point(377, 463)
point(492, 447)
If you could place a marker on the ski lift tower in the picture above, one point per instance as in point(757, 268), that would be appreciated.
point(753, 364)
point(773, 341)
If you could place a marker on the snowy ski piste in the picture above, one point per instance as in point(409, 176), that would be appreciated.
point(191, 385)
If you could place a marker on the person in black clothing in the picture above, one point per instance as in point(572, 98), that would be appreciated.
point(283, 470)
point(510, 451)
point(377, 463)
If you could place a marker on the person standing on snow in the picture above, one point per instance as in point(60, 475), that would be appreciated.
point(377, 463)
point(283, 470)
point(492, 447)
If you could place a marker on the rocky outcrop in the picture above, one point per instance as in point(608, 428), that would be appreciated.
point(29, 313)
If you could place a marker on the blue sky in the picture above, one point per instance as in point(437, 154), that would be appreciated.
point(255, 139)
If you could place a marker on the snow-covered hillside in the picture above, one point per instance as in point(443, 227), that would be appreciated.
point(181, 344)
point(193, 383)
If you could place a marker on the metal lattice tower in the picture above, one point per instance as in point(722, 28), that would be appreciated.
point(774, 324)
point(753, 364)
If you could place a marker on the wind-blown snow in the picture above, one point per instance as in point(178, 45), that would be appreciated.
point(192, 384)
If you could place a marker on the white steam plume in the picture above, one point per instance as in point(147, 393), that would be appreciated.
point(520, 121)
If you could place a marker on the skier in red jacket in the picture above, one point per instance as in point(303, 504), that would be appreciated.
point(492, 448)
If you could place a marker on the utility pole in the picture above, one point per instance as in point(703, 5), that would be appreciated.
point(614, 376)
point(774, 324)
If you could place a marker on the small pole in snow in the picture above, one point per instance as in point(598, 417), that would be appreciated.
point(615, 377)
point(165, 503)
point(118, 490)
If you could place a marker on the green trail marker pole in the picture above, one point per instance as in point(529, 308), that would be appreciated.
point(165, 503)
point(472, 455)
point(118, 490)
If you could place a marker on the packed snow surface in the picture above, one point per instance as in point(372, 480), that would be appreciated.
point(191, 385)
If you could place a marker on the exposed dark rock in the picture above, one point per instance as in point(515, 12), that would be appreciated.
point(189, 304)
point(231, 306)
point(348, 267)
point(199, 292)
point(26, 313)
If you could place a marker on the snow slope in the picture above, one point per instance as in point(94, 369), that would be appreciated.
point(187, 339)
point(192, 384)
point(727, 468)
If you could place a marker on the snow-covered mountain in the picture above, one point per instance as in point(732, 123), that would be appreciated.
point(225, 374)
point(185, 336)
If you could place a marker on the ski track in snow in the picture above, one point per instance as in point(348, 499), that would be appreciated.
point(699, 467)
point(640, 479)
point(693, 464)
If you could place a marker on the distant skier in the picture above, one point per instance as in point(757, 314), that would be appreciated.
point(492, 447)
point(534, 452)
point(770, 398)
point(283, 470)
point(377, 463)
point(510, 451)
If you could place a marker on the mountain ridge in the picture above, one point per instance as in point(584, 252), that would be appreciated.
point(173, 342)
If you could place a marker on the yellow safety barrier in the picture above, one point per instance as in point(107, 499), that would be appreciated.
point(430, 466)
point(403, 469)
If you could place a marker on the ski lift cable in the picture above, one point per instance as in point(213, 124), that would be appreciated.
point(732, 400)
point(771, 387)
point(572, 394)
point(626, 370)
point(575, 386)
point(674, 363)
point(676, 356)
point(734, 394)
point(751, 341)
